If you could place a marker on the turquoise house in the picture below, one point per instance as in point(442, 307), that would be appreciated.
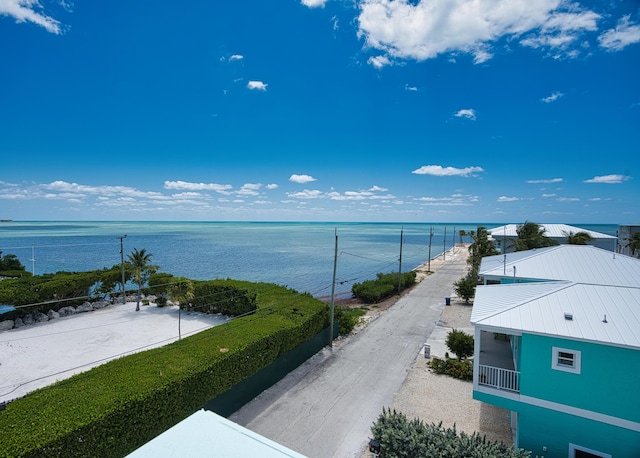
point(557, 342)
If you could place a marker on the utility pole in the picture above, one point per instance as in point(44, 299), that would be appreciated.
point(124, 298)
point(400, 262)
point(444, 245)
point(33, 260)
point(333, 290)
point(430, 239)
point(453, 238)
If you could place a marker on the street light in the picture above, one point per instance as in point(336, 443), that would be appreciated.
point(124, 298)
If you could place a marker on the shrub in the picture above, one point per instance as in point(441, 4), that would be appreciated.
point(465, 288)
point(460, 344)
point(213, 297)
point(348, 318)
point(384, 286)
point(456, 368)
point(400, 437)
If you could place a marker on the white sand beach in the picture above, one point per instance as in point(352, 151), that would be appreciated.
point(40, 354)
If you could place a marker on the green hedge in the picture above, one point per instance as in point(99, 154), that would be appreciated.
point(211, 297)
point(115, 408)
point(384, 286)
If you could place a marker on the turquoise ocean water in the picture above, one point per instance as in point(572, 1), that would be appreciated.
point(296, 255)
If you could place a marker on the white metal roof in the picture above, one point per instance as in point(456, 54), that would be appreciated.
point(555, 231)
point(578, 263)
point(206, 434)
point(539, 308)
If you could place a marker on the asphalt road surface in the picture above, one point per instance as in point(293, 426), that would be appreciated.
point(326, 407)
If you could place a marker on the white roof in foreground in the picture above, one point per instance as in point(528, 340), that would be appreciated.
point(601, 314)
point(579, 263)
point(206, 434)
point(550, 230)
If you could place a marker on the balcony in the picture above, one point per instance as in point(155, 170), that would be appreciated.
point(495, 366)
point(498, 378)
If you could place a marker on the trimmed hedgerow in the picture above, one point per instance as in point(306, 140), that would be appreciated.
point(384, 286)
point(400, 437)
point(115, 408)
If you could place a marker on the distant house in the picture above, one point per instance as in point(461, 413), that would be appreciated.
point(557, 342)
point(504, 236)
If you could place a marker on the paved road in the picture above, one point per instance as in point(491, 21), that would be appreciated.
point(326, 407)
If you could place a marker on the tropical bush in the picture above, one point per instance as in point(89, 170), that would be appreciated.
point(400, 437)
point(213, 297)
point(456, 368)
point(460, 343)
point(384, 286)
point(466, 288)
point(348, 318)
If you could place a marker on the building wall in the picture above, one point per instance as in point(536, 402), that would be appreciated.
point(598, 409)
point(607, 383)
point(539, 427)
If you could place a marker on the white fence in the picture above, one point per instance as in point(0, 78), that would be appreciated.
point(499, 378)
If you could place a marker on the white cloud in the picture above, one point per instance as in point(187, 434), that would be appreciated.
point(301, 178)
point(27, 11)
point(249, 189)
point(257, 85)
point(507, 199)
point(623, 35)
point(438, 170)
point(456, 200)
point(568, 199)
point(236, 57)
point(546, 196)
point(552, 180)
point(410, 88)
point(306, 194)
point(271, 186)
point(197, 186)
point(608, 179)
point(379, 61)
point(552, 98)
point(314, 3)
point(420, 30)
point(467, 113)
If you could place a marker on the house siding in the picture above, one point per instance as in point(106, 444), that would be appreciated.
point(539, 427)
point(607, 382)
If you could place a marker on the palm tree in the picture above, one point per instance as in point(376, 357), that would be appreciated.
point(530, 236)
point(633, 243)
point(142, 268)
point(480, 248)
point(181, 291)
point(578, 238)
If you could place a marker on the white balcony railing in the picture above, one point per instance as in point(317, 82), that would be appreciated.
point(499, 378)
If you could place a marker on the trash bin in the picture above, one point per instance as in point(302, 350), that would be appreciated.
point(447, 301)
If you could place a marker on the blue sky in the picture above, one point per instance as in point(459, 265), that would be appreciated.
point(313, 110)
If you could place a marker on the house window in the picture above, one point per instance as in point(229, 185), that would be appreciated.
point(566, 360)
point(576, 451)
